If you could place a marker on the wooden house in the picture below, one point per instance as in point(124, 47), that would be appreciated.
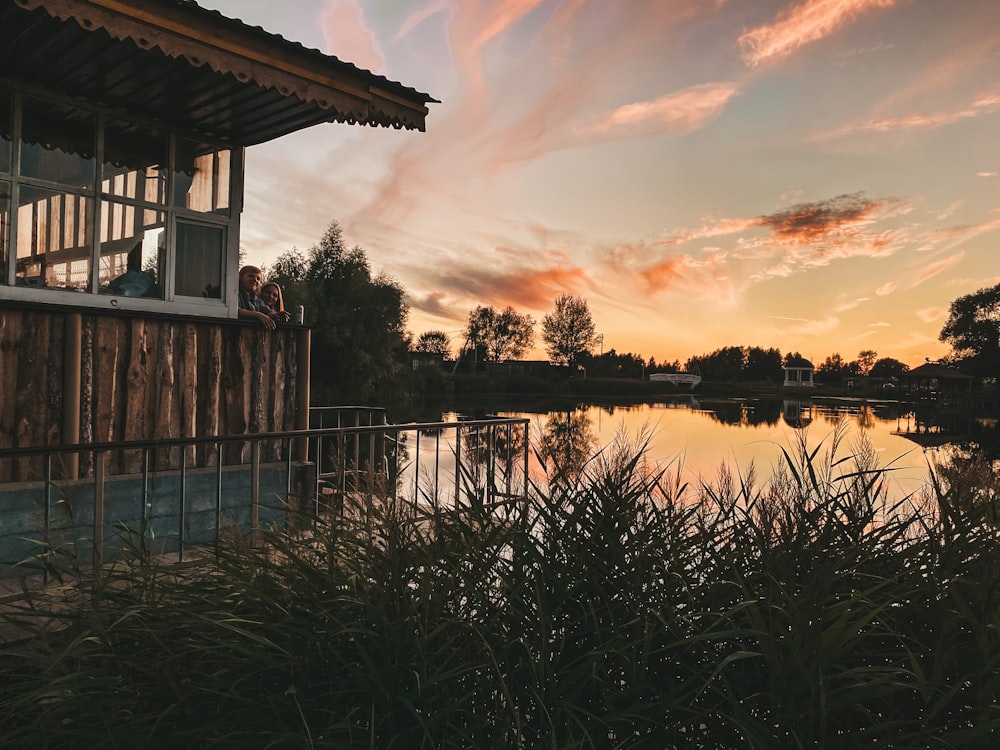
point(123, 128)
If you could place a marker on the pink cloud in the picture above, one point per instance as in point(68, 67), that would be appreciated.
point(680, 111)
point(502, 16)
point(348, 36)
point(718, 228)
point(886, 289)
point(984, 104)
point(802, 24)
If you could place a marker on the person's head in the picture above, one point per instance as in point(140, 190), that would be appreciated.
point(251, 278)
point(270, 293)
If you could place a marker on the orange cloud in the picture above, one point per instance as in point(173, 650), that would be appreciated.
point(802, 24)
point(348, 37)
point(886, 289)
point(523, 288)
point(707, 276)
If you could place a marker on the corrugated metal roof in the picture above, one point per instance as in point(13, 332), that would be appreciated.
point(191, 68)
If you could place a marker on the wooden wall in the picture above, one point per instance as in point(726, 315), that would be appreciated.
point(141, 377)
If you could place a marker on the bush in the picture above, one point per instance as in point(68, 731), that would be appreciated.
point(620, 609)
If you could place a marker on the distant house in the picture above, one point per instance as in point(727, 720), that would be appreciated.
point(932, 379)
point(419, 360)
point(530, 367)
point(798, 372)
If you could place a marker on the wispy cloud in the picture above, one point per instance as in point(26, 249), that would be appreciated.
point(810, 327)
point(933, 269)
point(984, 104)
point(421, 14)
point(801, 24)
point(886, 289)
point(930, 314)
point(850, 305)
point(685, 273)
point(680, 111)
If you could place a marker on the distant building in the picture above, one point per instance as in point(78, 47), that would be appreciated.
point(799, 372)
point(420, 360)
point(932, 378)
point(531, 367)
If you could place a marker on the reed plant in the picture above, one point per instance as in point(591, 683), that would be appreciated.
point(615, 607)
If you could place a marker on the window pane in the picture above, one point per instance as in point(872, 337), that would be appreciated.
point(53, 239)
point(132, 250)
point(4, 229)
point(134, 159)
point(58, 144)
point(5, 130)
point(199, 258)
point(201, 179)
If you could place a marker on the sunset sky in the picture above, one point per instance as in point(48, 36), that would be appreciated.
point(815, 175)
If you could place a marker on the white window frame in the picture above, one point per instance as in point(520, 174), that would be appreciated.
point(170, 303)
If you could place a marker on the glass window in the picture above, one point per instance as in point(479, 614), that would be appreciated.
point(57, 144)
point(134, 162)
point(133, 241)
point(201, 177)
point(4, 229)
point(53, 239)
point(199, 259)
point(6, 111)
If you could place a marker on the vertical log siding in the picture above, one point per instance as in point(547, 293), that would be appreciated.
point(142, 377)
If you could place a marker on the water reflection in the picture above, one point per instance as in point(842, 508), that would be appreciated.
point(566, 443)
point(701, 435)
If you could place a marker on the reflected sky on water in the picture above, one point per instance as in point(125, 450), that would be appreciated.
point(700, 436)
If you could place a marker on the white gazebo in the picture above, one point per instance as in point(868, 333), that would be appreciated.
point(799, 372)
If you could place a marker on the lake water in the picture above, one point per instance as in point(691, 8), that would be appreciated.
point(698, 437)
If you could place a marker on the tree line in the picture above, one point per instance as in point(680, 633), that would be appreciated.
point(361, 346)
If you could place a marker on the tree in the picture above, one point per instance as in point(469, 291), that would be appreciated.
point(835, 367)
point(500, 335)
point(433, 342)
point(569, 331)
point(762, 364)
point(973, 331)
point(358, 320)
point(887, 367)
point(866, 360)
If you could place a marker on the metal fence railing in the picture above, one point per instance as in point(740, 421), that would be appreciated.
point(427, 465)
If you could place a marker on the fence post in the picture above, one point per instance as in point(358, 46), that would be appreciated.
point(72, 361)
point(98, 507)
point(255, 492)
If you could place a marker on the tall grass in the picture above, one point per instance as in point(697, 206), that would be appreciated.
point(617, 609)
